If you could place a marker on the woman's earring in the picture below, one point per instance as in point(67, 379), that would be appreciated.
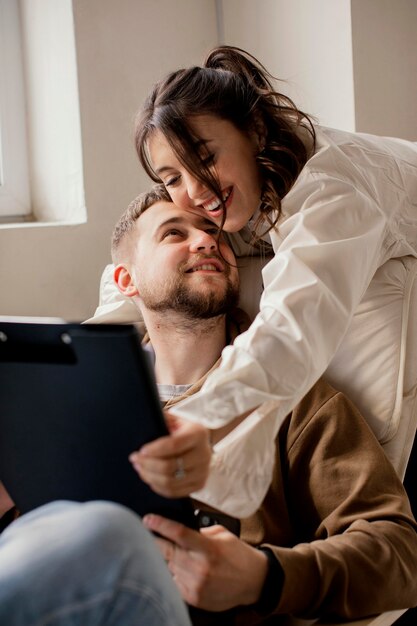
point(262, 143)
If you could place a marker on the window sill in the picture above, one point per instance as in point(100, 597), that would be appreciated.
point(13, 223)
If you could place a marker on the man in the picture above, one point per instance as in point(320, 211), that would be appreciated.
point(334, 534)
point(335, 530)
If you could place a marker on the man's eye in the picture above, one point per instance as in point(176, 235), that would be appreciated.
point(172, 232)
point(213, 230)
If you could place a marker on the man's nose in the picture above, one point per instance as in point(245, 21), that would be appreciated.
point(203, 241)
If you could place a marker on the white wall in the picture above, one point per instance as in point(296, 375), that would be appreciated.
point(350, 63)
point(384, 34)
point(306, 43)
point(122, 48)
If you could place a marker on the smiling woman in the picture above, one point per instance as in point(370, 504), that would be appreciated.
point(334, 206)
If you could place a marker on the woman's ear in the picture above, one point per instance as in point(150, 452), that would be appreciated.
point(124, 281)
point(259, 132)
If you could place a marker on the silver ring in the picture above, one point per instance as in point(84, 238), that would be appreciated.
point(180, 471)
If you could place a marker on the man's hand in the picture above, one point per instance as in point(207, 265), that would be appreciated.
point(176, 465)
point(213, 569)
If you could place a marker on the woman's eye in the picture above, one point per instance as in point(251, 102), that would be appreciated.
point(171, 181)
point(213, 231)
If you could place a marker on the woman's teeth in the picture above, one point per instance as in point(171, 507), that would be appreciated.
point(216, 203)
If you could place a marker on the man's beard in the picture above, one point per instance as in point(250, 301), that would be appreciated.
point(191, 302)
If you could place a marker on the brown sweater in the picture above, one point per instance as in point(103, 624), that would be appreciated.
point(336, 517)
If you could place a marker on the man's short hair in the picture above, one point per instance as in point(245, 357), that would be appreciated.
point(128, 219)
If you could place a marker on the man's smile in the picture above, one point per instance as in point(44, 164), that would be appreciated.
point(208, 264)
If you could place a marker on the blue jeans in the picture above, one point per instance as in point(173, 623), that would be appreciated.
point(72, 564)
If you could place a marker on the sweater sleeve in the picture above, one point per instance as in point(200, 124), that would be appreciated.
point(357, 549)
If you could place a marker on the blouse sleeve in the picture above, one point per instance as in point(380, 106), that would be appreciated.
point(326, 252)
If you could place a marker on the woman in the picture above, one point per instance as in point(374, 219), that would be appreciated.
point(334, 205)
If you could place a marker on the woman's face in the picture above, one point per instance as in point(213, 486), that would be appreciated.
point(231, 153)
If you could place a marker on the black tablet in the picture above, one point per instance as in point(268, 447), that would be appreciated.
point(75, 401)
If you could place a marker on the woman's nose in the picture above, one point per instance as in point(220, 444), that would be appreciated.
point(196, 190)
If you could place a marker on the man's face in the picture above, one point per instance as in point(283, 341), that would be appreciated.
point(178, 265)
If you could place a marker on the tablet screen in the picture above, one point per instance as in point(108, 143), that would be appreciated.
point(75, 401)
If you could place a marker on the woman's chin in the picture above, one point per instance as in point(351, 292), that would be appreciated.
point(234, 224)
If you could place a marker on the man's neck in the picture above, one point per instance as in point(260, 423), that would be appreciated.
point(185, 349)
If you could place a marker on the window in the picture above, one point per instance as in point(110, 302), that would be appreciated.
point(42, 46)
point(14, 173)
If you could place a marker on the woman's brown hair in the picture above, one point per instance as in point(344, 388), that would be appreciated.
point(232, 85)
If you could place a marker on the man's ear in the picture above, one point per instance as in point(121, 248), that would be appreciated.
point(124, 281)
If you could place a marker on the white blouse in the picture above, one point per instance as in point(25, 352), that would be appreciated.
point(353, 207)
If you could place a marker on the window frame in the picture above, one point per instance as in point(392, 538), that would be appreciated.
point(48, 118)
point(15, 203)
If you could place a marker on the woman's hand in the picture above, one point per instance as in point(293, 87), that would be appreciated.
point(213, 569)
point(178, 464)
